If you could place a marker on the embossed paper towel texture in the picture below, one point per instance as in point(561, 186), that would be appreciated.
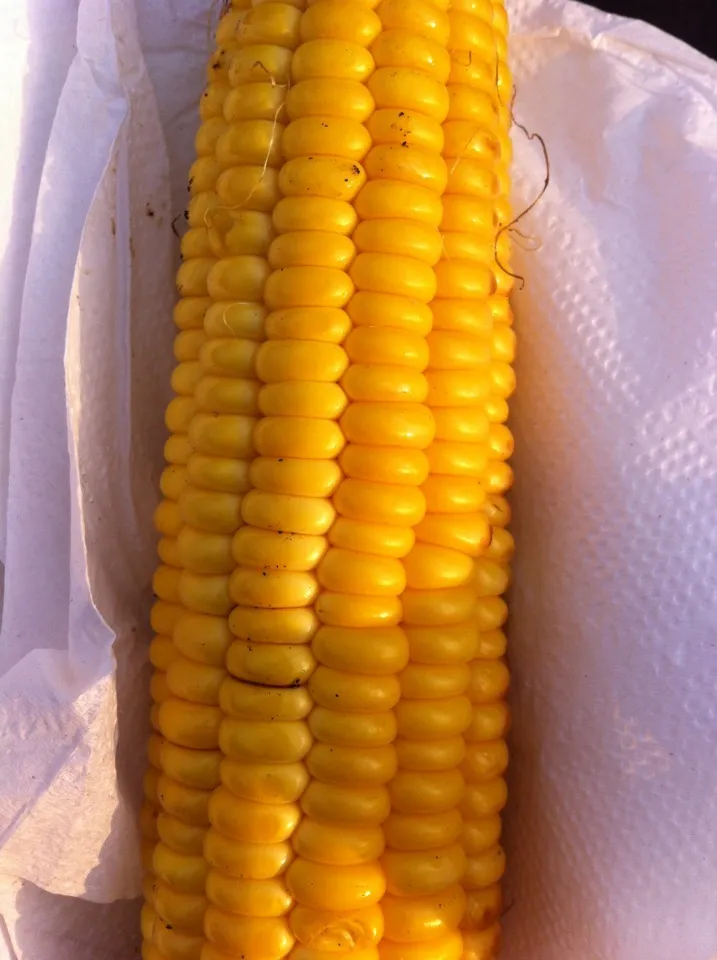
point(612, 829)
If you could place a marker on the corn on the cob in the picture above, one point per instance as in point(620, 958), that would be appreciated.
point(326, 770)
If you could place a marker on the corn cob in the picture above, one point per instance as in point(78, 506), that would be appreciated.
point(337, 465)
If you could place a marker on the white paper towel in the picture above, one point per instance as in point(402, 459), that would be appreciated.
point(613, 822)
point(612, 827)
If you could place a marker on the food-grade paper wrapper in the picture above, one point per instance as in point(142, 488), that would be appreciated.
point(612, 824)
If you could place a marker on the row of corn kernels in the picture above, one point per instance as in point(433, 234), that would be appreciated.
point(212, 422)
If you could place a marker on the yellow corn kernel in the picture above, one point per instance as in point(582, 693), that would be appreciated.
point(267, 782)
point(354, 930)
point(336, 888)
point(266, 938)
point(423, 918)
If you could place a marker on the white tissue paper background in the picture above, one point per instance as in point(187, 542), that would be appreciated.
point(612, 823)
